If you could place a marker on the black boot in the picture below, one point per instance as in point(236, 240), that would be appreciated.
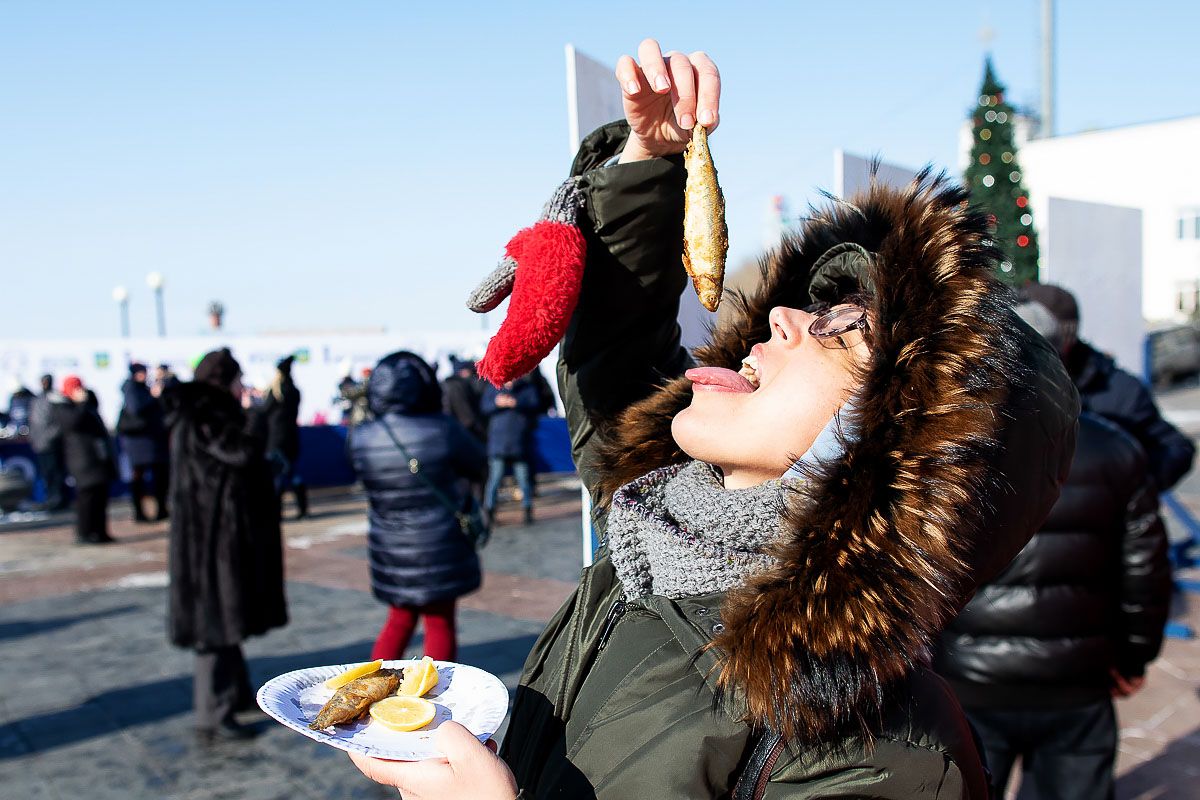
point(301, 490)
point(228, 731)
point(136, 496)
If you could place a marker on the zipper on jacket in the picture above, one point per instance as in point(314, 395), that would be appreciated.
point(614, 614)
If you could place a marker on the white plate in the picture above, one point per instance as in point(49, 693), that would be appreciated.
point(475, 699)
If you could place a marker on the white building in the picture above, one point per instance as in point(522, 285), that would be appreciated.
point(1152, 168)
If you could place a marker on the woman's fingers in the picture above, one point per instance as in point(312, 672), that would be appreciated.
point(683, 89)
point(630, 76)
point(708, 89)
point(651, 58)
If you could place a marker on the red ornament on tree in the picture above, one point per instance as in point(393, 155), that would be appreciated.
point(1022, 201)
point(1022, 241)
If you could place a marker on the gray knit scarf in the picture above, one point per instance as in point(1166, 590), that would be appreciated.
point(678, 532)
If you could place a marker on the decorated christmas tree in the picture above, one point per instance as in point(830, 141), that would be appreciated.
point(996, 184)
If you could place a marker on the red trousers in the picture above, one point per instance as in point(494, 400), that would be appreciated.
point(440, 644)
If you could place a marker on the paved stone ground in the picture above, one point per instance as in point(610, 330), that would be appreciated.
point(95, 704)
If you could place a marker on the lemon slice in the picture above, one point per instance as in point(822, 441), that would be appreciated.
point(418, 679)
point(403, 713)
point(354, 673)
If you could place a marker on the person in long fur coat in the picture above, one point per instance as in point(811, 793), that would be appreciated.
point(784, 538)
point(225, 557)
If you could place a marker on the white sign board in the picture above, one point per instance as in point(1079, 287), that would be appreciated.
point(852, 174)
point(1095, 251)
point(593, 96)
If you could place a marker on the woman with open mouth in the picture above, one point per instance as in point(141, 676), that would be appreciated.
point(790, 514)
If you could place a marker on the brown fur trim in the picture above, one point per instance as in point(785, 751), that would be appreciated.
point(874, 563)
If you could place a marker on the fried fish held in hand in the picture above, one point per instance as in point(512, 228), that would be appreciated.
point(705, 236)
point(352, 700)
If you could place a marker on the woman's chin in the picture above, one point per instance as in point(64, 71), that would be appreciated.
point(695, 431)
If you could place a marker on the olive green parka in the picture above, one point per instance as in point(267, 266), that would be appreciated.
point(810, 681)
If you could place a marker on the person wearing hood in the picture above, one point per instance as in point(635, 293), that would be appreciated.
point(416, 464)
point(88, 453)
point(281, 409)
point(225, 553)
point(1108, 391)
point(144, 438)
point(781, 545)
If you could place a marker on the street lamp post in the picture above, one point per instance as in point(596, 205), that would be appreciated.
point(155, 281)
point(121, 296)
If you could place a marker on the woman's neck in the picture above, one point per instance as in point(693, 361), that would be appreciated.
point(745, 477)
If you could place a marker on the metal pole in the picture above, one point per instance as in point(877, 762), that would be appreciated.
point(162, 317)
point(124, 304)
point(1047, 69)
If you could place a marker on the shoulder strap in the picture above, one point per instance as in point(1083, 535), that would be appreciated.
point(414, 466)
point(752, 784)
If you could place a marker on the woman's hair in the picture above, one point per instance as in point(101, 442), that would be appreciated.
point(218, 368)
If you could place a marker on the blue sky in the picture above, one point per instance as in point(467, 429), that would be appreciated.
point(332, 165)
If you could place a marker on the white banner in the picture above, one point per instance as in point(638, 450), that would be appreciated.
point(593, 96)
point(1095, 251)
point(852, 174)
point(321, 361)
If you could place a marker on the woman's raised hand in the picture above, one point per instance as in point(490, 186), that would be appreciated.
point(665, 95)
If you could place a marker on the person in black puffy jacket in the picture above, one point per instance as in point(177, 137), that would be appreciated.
point(143, 431)
point(415, 463)
point(1110, 392)
point(1037, 655)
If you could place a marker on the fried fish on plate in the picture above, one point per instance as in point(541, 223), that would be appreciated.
point(352, 700)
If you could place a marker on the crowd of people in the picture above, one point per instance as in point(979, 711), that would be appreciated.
point(216, 458)
point(890, 532)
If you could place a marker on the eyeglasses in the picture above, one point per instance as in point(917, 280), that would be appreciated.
point(835, 326)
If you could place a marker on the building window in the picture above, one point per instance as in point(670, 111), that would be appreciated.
point(1189, 224)
point(1187, 297)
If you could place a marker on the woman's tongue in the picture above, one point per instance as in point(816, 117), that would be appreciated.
point(717, 379)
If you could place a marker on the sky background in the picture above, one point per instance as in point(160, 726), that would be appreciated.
point(349, 165)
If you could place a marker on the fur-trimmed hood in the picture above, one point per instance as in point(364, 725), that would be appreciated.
point(964, 431)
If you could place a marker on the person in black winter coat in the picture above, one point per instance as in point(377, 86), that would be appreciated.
point(88, 452)
point(281, 408)
point(461, 395)
point(225, 555)
point(510, 413)
point(1037, 654)
point(415, 463)
point(1110, 392)
point(144, 436)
